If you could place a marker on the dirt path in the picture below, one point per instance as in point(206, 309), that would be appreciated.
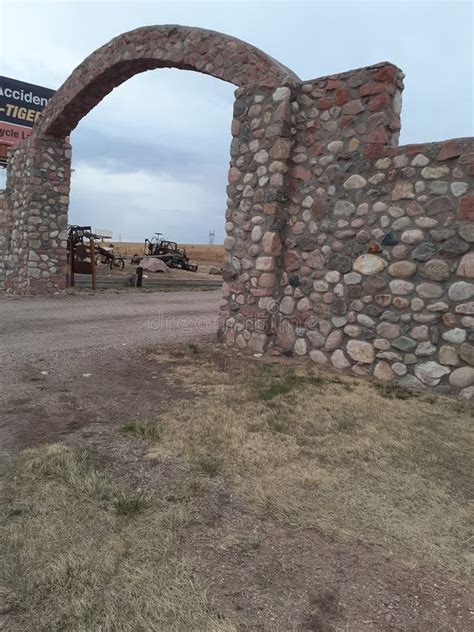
point(83, 354)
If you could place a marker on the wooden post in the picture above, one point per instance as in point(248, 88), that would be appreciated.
point(92, 249)
point(71, 255)
point(139, 277)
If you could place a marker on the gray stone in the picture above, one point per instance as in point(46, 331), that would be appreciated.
point(410, 381)
point(286, 336)
point(455, 336)
point(360, 351)
point(339, 360)
point(461, 291)
point(404, 343)
point(402, 269)
point(287, 305)
point(412, 236)
point(388, 330)
point(453, 248)
point(430, 372)
point(340, 263)
point(429, 290)
point(466, 266)
point(257, 342)
point(300, 347)
point(397, 286)
point(434, 173)
point(281, 94)
point(318, 357)
point(466, 231)
point(355, 182)
point(383, 371)
point(466, 352)
point(459, 188)
point(369, 264)
point(435, 270)
point(462, 377)
point(424, 251)
point(399, 368)
point(425, 349)
point(344, 208)
point(334, 340)
point(352, 278)
point(448, 355)
point(465, 308)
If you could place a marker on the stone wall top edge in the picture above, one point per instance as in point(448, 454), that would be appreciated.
point(349, 73)
point(465, 142)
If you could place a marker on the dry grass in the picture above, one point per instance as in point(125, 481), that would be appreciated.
point(82, 554)
point(199, 253)
point(359, 462)
point(352, 459)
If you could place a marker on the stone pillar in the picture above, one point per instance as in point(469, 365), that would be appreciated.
point(36, 201)
point(256, 215)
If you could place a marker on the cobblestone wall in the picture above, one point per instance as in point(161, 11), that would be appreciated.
point(36, 200)
point(342, 247)
point(378, 264)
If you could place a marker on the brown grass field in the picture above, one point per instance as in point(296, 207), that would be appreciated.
point(198, 253)
point(265, 497)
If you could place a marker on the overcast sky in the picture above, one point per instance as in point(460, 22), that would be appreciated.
point(153, 155)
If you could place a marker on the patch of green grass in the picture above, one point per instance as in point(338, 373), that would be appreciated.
point(193, 348)
point(209, 464)
point(285, 384)
point(148, 431)
point(126, 503)
point(392, 391)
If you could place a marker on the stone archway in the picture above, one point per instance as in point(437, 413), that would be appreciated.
point(37, 194)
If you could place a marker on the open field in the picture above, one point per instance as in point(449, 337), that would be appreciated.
point(223, 493)
point(198, 253)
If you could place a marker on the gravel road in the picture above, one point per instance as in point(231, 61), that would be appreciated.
point(102, 321)
point(69, 361)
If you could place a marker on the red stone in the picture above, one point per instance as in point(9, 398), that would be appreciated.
point(292, 260)
point(386, 73)
point(373, 151)
point(234, 175)
point(372, 88)
point(379, 135)
point(325, 103)
point(467, 159)
point(333, 84)
point(466, 208)
point(374, 247)
point(342, 96)
point(346, 121)
point(379, 102)
point(301, 173)
point(353, 107)
point(449, 150)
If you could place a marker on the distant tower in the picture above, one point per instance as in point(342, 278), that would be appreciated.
point(212, 234)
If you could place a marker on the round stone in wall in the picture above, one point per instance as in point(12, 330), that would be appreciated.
point(435, 270)
point(355, 182)
point(339, 360)
point(369, 264)
point(431, 372)
point(402, 269)
point(461, 291)
point(462, 377)
point(361, 351)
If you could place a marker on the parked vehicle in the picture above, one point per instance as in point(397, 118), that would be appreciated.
point(168, 252)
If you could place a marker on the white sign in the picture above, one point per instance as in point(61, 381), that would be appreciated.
point(102, 232)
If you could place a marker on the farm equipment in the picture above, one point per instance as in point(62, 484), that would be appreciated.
point(168, 252)
point(107, 257)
